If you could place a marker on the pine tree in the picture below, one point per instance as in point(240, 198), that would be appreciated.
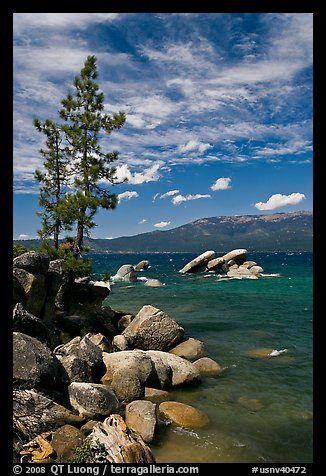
point(85, 121)
point(52, 180)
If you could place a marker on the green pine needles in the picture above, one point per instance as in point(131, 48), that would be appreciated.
point(77, 173)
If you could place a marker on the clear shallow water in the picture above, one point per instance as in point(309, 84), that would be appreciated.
point(260, 410)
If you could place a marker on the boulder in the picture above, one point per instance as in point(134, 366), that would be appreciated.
point(183, 415)
point(249, 264)
point(32, 261)
point(199, 263)
point(120, 443)
point(59, 295)
point(191, 349)
point(99, 291)
point(127, 273)
point(141, 417)
point(127, 385)
point(18, 293)
point(208, 366)
point(153, 329)
point(92, 400)
point(144, 264)
point(215, 264)
point(183, 371)
point(34, 286)
point(135, 360)
point(127, 372)
point(256, 270)
point(100, 341)
point(81, 359)
point(26, 323)
point(88, 427)
point(238, 255)
point(119, 342)
point(64, 441)
point(153, 283)
point(33, 413)
point(251, 404)
point(33, 362)
point(124, 321)
point(156, 395)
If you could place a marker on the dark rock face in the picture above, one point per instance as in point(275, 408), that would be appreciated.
point(33, 362)
point(33, 413)
point(18, 292)
point(32, 261)
point(33, 326)
point(81, 360)
point(34, 286)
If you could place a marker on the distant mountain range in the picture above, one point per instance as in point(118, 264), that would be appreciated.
point(275, 232)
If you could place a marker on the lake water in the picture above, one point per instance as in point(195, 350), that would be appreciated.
point(260, 410)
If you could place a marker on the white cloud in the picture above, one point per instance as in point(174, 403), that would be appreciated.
point(278, 200)
point(27, 21)
point(137, 178)
point(194, 145)
point(181, 198)
point(162, 224)
point(170, 193)
point(22, 236)
point(141, 222)
point(127, 195)
point(223, 183)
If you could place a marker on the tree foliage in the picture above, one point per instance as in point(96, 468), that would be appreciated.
point(77, 176)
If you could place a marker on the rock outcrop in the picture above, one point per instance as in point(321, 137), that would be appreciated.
point(78, 362)
point(233, 264)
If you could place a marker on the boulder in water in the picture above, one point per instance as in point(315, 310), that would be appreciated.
point(199, 263)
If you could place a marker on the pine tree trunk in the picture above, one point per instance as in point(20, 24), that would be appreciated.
point(56, 236)
point(79, 238)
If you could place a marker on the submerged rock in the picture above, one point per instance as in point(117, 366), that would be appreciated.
point(154, 283)
point(183, 415)
point(264, 353)
point(208, 366)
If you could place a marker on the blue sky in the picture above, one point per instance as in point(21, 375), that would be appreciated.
point(218, 105)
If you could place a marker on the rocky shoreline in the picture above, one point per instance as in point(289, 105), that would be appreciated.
point(92, 384)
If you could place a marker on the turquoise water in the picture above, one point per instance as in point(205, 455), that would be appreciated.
point(260, 410)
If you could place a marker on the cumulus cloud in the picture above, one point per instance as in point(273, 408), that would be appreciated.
point(181, 198)
point(22, 236)
point(151, 174)
point(127, 196)
point(222, 183)
point(170, 193)
point(194, 145)
point(141, 222)
point(162, 224)
point(278, 200)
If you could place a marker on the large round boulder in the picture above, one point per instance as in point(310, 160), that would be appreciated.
point(208, 366)
point(153, 329)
